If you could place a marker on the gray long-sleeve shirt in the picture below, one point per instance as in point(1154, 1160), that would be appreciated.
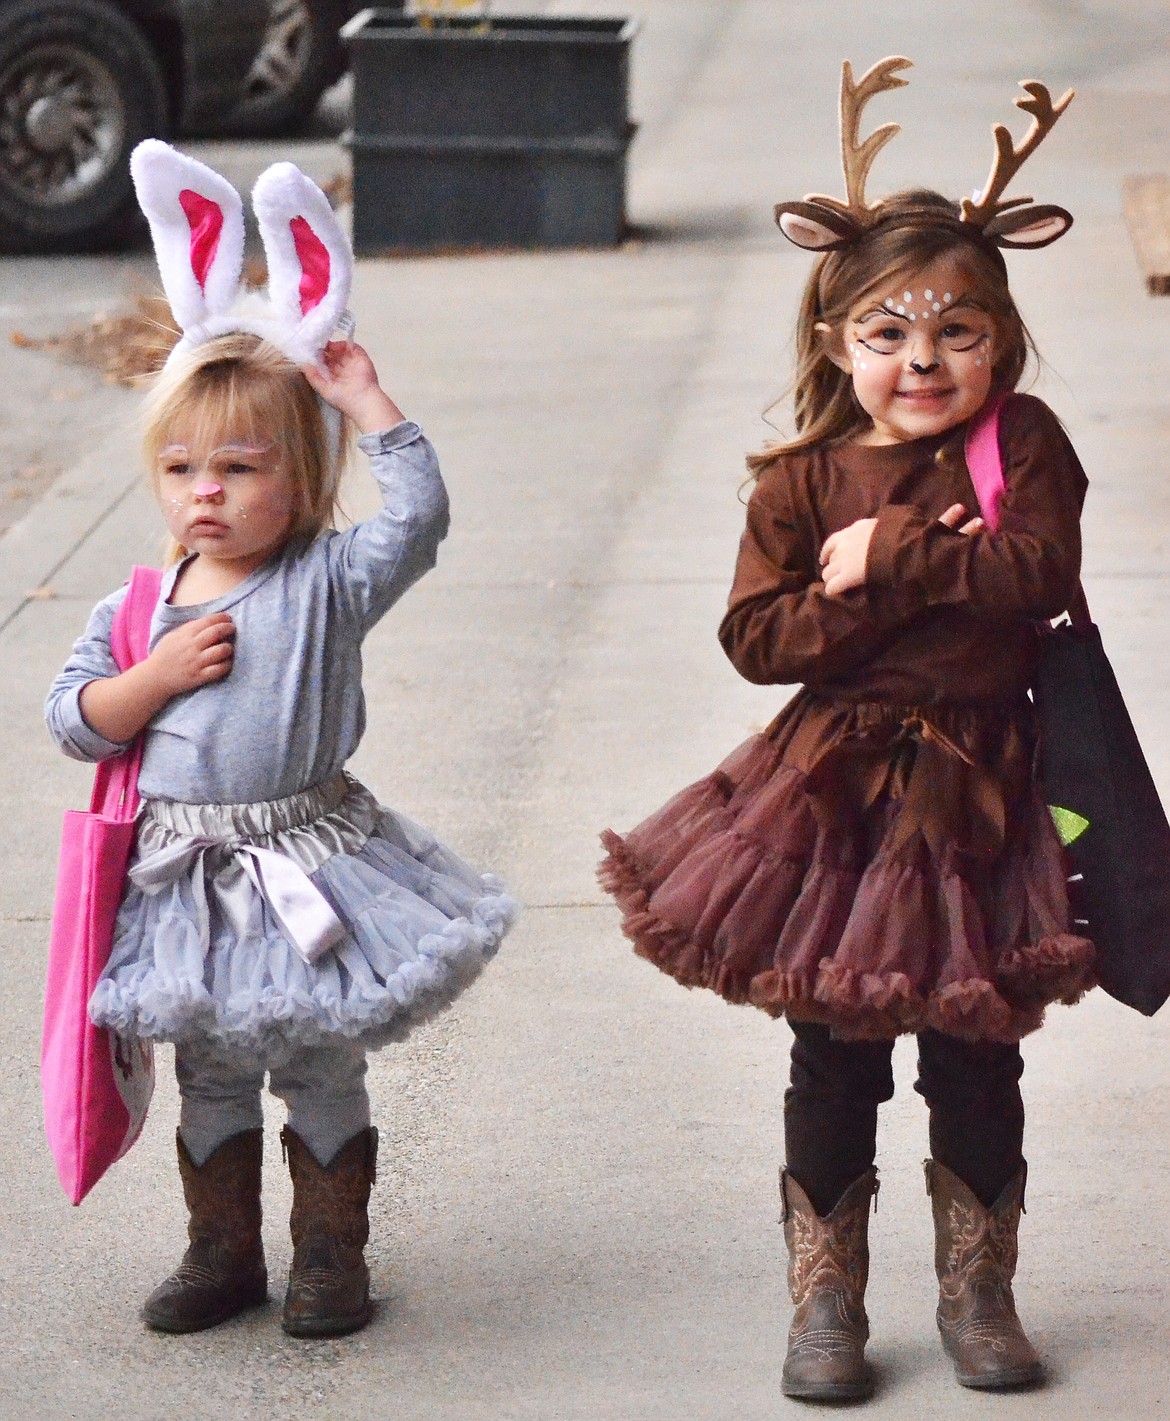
point(291, 712)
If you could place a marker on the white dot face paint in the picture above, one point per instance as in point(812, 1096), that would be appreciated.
point(234, 504)
point(920, 356)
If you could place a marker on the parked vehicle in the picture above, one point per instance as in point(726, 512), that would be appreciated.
point(300, 56)
point(82, 81)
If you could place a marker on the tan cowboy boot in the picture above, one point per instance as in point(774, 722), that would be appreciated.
point(828, 1267)
point(329, 1283)
point(975, 1258)
point(222, 1271)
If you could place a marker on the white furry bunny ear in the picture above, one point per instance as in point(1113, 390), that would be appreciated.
point(310, 264)
point(197, 223)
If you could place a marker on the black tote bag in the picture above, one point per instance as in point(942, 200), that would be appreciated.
point(1097, 782)
point(1095, 778)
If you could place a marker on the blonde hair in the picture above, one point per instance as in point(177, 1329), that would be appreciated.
point(909, 231)
point(243, 386)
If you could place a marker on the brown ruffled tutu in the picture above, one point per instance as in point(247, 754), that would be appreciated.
point(877, 868)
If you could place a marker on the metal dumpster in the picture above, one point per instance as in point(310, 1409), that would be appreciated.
point(468, 134)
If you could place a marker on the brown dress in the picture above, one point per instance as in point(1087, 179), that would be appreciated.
point(880, 859)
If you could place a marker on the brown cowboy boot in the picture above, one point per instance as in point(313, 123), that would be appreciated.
point(222, 1271)
point(975, 1258)
point(329, 1283)
point(828, 1267)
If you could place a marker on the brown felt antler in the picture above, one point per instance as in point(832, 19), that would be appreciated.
point(824, 224)
point(1008, 158)
point(857, 157)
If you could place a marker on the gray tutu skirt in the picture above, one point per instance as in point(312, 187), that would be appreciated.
point(264, 926)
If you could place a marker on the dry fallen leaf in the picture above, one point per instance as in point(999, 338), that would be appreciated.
point(41, 594)
point(339, 189)
point(124, 346)
point(132, 342)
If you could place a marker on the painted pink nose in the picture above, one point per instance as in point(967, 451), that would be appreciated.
point(207, 490)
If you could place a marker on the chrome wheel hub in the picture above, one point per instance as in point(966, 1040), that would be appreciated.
point(62, 124)
point(285, 52)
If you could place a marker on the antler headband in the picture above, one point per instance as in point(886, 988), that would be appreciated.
point(825, 224)
point(197, 223)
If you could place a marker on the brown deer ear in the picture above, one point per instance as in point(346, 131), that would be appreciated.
point(1031, 226)
point(816, 228)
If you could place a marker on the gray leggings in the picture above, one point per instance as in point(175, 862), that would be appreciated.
point(323, 1086)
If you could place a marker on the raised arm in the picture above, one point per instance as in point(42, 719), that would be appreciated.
point(373, 564)
point(347, 379)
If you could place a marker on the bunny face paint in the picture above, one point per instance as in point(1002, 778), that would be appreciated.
point(921, 357)
point(233, 504)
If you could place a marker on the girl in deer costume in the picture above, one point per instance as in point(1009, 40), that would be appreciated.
point(276, 917)
point(880, 860)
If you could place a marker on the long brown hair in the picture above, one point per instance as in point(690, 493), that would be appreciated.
point(910, 230)
point(242, 384)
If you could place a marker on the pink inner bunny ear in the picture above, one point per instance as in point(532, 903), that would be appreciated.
point(205, 219)
point(313, 256)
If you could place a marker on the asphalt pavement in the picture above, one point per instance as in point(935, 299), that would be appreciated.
point(576, 1209)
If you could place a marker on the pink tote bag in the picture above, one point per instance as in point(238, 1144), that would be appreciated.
point(96, 1085)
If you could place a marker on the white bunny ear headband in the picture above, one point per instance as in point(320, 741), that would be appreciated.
point(197, 224)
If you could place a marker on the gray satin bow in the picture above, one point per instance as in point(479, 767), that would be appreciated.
point(300, 908)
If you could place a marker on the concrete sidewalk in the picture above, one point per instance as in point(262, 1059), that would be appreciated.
point(576, 1209)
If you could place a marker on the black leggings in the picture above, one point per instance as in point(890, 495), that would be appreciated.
point(830, 1110)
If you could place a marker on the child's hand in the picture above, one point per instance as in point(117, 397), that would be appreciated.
point(346, 378)
point(954, 516)
point(844, 554)
point(843, 557)
point(193, 655)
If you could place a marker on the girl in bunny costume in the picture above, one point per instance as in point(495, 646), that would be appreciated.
point(881, 860)
point(276, 918)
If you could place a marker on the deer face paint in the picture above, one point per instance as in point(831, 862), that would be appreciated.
point(921, 356)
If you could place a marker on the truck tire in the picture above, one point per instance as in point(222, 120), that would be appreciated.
point(299, 57)
point(79, 87)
